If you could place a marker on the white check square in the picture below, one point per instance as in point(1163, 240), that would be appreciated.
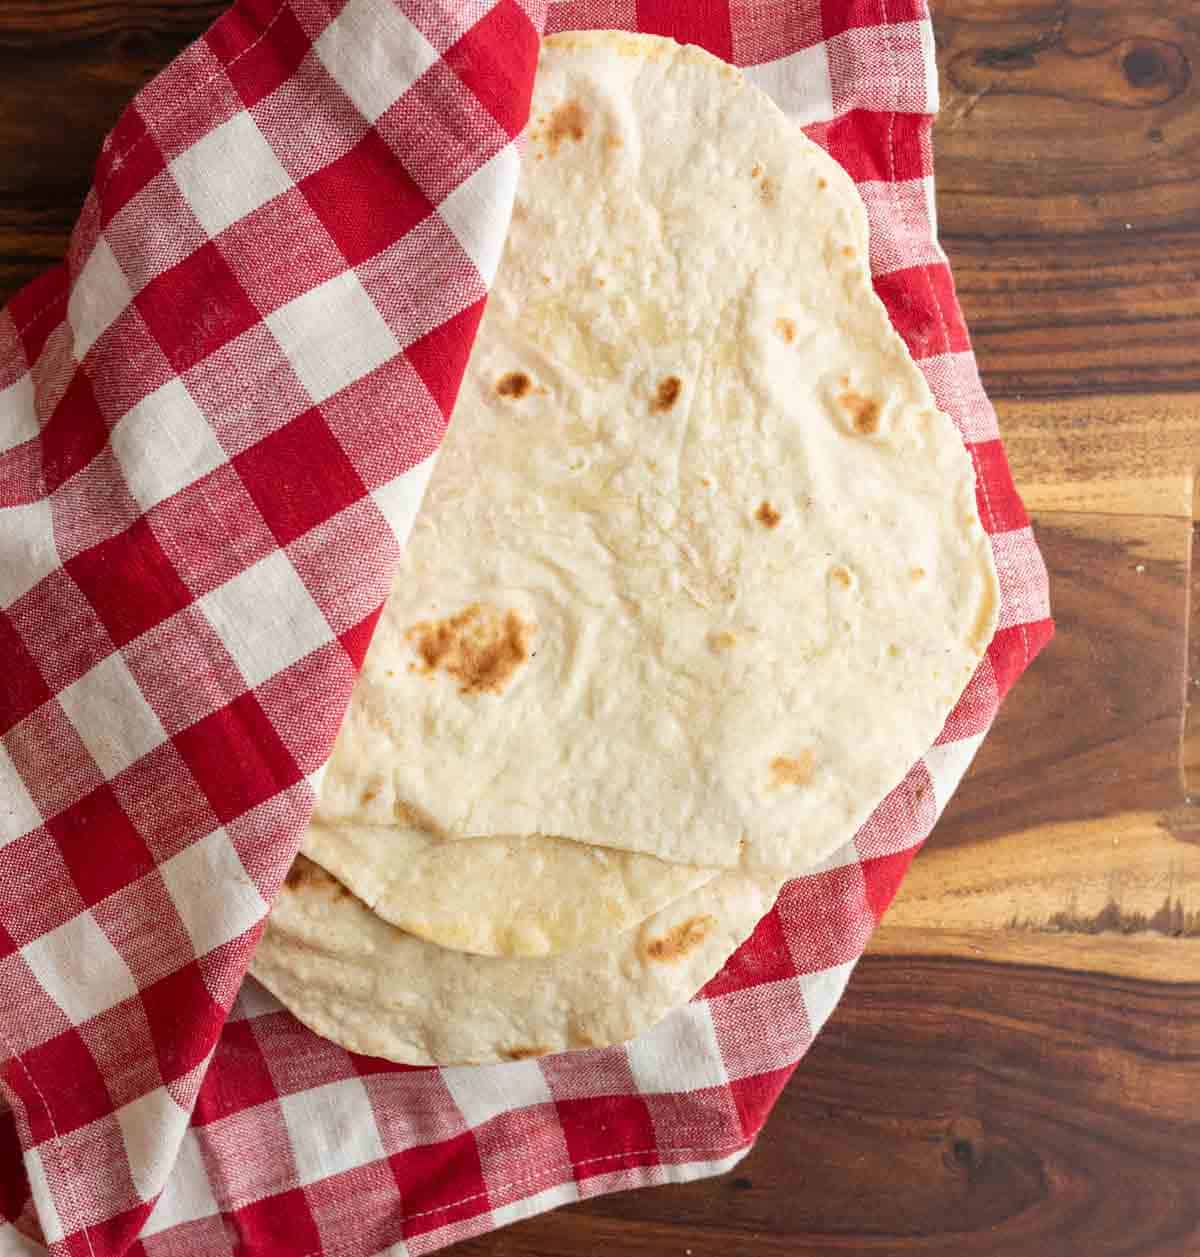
point(400, 499)
point(229, 173)
point(266, 618)
point(100, 294)
point(27, 550)
point(81, 970)
point(800, 84)
point(164, 444)
point(151, 1128)
point(947, 763)
point(333, 335)
point(214, 895)
point(331, 1129)
point(43, 1198)
point(18, 812)
point(482, 1092)
point(187, 1195)
point(18, 419)
point(111, 716)
point(477, 207)
point(375, 53)
point(679, 1054)
point(822, 990)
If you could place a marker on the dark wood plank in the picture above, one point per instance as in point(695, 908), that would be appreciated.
point(948, 1108)
point(67, 69)
point(1067, 189)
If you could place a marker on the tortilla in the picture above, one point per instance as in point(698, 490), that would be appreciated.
point(699, 573)
point(520, 896)
point(353, 978)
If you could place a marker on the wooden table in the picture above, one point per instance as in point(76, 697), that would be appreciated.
point(1016, 1067)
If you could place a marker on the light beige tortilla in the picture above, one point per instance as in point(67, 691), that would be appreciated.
point(699, 573)
point(353, 978)
point(522, 896)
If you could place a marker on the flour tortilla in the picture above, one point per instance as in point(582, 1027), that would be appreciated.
point(519, 896)
point(700, 572)
point(353, 978)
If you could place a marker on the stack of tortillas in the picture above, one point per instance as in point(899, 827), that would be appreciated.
point(698, 577)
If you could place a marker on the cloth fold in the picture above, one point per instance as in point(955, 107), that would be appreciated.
point(217, 418)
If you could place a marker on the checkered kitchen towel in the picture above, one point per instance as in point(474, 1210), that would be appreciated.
point(215, 425)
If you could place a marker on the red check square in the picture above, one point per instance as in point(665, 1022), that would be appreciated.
point(257, 66)
point(181, 1043)
point(276, 1224)
point(102, 850)
point(238, 1077)
point(366, 199)
point(440, 1182)
point(75, 434)
point(196, 307)
point(238, 734)
point(483, 59)
point(130, 581)
point(299, 476)
point(127, 163)
point(24, 686)
point(52, 1108)
point(607, 1133)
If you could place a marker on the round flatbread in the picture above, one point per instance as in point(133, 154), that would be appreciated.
point(353, 978)
point(699, 574)
point(522, 896)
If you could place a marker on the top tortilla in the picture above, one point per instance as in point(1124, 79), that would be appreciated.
point(699, 573)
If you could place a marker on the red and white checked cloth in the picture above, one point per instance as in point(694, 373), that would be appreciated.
point(215, 425)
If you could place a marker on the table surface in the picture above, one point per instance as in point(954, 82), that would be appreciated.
point(1015, 1069)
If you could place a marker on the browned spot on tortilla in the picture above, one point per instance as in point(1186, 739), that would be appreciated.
point(792, 770)
point(786, 328)
point(305, 873)
point(680, 939)
point(918, 573)
point(863, 412)
point(768, 190)
point(724, 640)
point(581, 1040)
point(840, 576)
point(614, 141)
point(370, 794)
point(545, 279)
point(481, 646)
point(667, 393)
point(541, 157)
point(524, 1053)
point(893, 651)
point(768, 516)
point(847, 251)
point(755, 171)
point(822, 183)
point(298, 874)
point(706, 482)
point(515, 384)
point(567, 122)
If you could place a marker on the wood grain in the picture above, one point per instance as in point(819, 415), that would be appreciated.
point(1015, 1069)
